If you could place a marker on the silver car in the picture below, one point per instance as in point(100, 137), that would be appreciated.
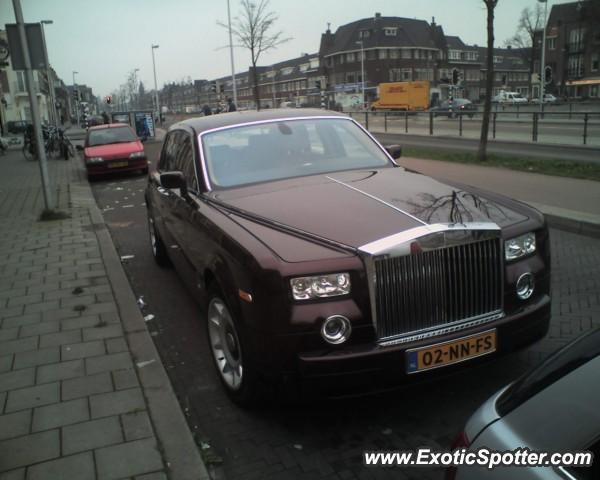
point(553, 408)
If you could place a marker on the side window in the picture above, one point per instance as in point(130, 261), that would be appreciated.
point(167, 157)
point(184, 160)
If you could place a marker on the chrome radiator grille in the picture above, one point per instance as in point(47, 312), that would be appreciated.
point(434, 288)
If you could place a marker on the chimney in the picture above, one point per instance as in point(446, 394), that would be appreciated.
point(377, 16)
point(509, 47)
point(433, 21)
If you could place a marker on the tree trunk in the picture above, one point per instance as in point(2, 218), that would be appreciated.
point(489, 83)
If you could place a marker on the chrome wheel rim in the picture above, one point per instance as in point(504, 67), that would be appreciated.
point(152, 235)
point(225, 344)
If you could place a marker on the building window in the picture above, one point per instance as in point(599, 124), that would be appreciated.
point(406, 74)
point(424, 74)
point(593, 90)
point(21, 81)
point(405, 52)
point(498, 59)
point(364, 34)
point(350, 57)
point(454, 55)
point(342, 58)
point(552, 43)
point(444, 75)
point(371, 54)
point(575, 66)
point(473, 75)
point(350, 77)
point(576, 38)
point(471, 56)
point(395, 74)
point(394, 53)
point(595, 64)
point(383, 54)
point(390, 31)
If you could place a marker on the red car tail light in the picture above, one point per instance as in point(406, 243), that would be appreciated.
point(461, 441)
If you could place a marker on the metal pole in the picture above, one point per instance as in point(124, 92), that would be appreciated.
point(460, 125)
point(406, 121)
point(535, 127)
point(156, 85)
point(35, 111)
point(77, 100)
point(362, 72)
point(543, 63)
point(366, 120)
point(231, 55)
point(585, 128)
point(430, 122)
point(52, 110)
point(494, 125)
point(385, 121)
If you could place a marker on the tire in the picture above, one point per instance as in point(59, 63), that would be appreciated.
point(226, 343)
point(159, 251)
point(64, 151)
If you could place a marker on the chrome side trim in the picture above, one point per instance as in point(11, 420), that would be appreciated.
point(377, 199)
point(256, 122)
point(391, 244)
point(450, 328)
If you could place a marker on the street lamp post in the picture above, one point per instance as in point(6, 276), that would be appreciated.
point(52, 110)
point(155, 84)
point(362, 71)
point(543, 62)
point(77, 100)
point(231, 56)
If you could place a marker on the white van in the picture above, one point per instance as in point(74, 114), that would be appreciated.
point(509, 97)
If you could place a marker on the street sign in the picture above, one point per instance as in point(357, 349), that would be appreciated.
point(35, 42)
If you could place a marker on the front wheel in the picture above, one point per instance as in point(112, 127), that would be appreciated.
point(159, 251)
point(226, 343)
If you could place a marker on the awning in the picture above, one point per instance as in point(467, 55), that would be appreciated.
point(586, 81)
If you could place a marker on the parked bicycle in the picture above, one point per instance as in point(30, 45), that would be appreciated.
point(56, 143)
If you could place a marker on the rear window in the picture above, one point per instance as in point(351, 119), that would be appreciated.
point(107, 136)
point(561, 363)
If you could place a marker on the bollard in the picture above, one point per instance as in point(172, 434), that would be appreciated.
point(385, 122)
point(534, 133)
point(430, 123)
point(585, 128)
point(494, 125)
point(460, 117)
point(543, 106)
point(406, 121)
point(570, 110)
point(367, 120)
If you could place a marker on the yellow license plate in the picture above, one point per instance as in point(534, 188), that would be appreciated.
point(447, 353)
point(117, 164)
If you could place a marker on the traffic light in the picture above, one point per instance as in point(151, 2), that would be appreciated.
point(318, 84)
point(213, 87)
point(454, 76)
point(547, 75)
point(108, 99)
point(75, 94)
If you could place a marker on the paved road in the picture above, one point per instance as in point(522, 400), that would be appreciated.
point(324, 440)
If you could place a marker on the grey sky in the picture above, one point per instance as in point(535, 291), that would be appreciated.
point(105, 40)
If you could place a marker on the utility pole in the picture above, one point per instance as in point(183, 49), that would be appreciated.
point(75, 89)
point(156, 86)
point(52, 110)
point(543, 62)
point(35, 110)
point(231, 56)
point(362, 72)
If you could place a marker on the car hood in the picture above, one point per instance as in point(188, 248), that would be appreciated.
point(114, 150)
point(358, 207)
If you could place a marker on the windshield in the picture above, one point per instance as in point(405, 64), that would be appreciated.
point(285, 149)
point(107, 136)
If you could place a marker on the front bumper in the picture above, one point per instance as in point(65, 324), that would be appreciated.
point(105, 169)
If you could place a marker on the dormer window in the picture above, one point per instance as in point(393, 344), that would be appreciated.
point(364, 34)
point(304, 67)
point(287, 70)
point(390, 31)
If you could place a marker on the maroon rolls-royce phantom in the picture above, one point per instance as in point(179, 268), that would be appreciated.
point(318, 258)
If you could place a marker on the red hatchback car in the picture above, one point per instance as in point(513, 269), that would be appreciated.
point(111, 148)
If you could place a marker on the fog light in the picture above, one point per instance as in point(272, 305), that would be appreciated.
point(525, 286)
point(336, 329)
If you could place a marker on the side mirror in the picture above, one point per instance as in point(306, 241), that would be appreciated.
point(395, 151)
point(174, 180)
point(79, 148)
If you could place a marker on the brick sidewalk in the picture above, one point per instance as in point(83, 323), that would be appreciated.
point(73, 348)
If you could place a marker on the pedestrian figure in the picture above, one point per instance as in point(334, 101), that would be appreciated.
point(230, 105)
point(105, 118)
point(206, 110)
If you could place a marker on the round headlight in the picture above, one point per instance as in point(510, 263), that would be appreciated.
point(336, 329)
point(525, 286)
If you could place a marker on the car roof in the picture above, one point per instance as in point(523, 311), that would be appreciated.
point(201, 124)
point(109, 125)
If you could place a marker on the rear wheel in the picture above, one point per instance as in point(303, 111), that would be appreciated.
point(226, 342)
point(159, 251)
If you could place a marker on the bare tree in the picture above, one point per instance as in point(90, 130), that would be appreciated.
point(489, 81)
point(252, 29)
point(530, 22)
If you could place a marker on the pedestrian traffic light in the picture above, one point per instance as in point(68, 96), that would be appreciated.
point(213, 87)
point(318, 84)
point(454, 77)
